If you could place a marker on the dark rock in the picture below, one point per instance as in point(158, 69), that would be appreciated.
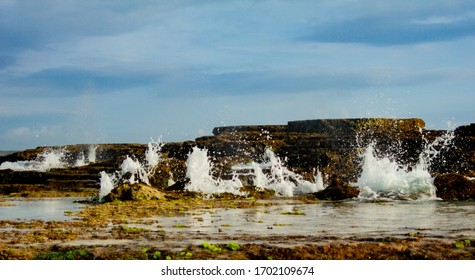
point(8, 176)
point(465, 130)
point(179, 185)
point(136, 192)
point(455, 187)
point(354, 126)
point(337, 190)
point(247, 128)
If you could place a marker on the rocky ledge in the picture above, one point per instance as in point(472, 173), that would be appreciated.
point(332, 146)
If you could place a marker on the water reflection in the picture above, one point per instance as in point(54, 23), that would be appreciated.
point(339, 219)
point(429, 218)
point(46, 209)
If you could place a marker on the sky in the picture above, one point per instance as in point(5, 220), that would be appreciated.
point(130, 71)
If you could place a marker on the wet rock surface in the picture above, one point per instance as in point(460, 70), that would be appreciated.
point(337, 190)
point(455, 187)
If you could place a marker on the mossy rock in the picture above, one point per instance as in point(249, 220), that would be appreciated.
point(135, 192)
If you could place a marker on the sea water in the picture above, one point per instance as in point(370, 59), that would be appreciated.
point(272, 174)
point(46, 209)
point(336, 220)
point(50, 159)
point(382, 177)
point(82, 160)
point(199, 172)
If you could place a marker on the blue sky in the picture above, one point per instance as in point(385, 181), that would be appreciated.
point(125, 71)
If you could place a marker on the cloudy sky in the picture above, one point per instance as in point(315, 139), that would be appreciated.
point(125, 71)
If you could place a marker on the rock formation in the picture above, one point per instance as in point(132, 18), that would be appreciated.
point(337, 190)
point(136, 192)
point(332, 146)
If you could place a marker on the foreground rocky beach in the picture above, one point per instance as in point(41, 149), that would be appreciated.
point(124, 230)
point(141, 220)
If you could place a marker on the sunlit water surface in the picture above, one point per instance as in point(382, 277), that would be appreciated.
point(341, 219)
point(46, 209)
point(437, 219)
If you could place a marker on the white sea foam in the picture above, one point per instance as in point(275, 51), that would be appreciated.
point(272, 174)
point(91, 156)
point(133, 170)
point(199, 172)
point(49, 159)
point(383, 178)
point(282, 180)
point(81, 160)
point(108, 183)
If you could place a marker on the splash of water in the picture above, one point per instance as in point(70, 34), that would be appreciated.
point(81, 160)
point(383, 178)
point(91, 156)
point(282, 180)
point(199, 171)
point(49, 159)
point(52, 158)
point(133, 170)
point(272, 174)
point(108, 183)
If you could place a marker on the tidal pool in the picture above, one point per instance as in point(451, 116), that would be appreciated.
point(339, 219)
point(46, 209)
point(436, 219)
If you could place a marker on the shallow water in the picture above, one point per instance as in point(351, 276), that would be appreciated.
point(46, 209)
point(340, 219)
point(285, 218)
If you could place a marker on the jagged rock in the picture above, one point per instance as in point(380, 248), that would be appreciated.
point(337, 190)
point(455, 187)
point(136, 192)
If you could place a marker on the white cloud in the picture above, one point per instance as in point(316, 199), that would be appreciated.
point(18, 132)
point(446, 19)
point(181, 67)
